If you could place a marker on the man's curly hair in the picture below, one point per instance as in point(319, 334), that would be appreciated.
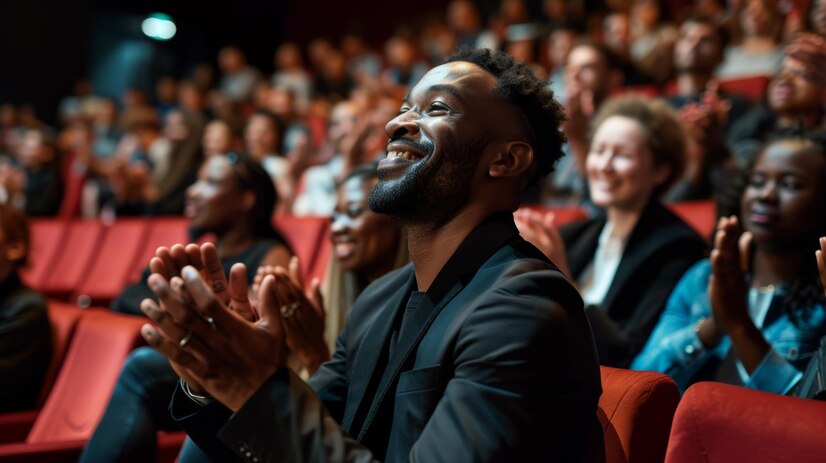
point(518, 85)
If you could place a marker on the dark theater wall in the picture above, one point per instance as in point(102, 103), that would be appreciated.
point(43, 50)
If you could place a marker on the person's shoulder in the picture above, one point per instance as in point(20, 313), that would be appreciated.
point(25, 299)
point(519, 273)
point(671, 227)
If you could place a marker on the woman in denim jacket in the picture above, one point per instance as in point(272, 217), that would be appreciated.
point(753, 313)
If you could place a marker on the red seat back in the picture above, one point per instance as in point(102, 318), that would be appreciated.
point(46, 240)
point(114, 261)
point(753, 87)
point(701, 215)
point(101, 342)
point(162, 231)
point(77, 249)
point(63, 318)
point(562, 215)
point(635, 410)
point(720, 422)
point(306, 236)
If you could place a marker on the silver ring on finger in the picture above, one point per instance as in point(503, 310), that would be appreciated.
point(287, 311)
point(185, 340)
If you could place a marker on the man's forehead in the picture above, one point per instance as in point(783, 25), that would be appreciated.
point(464, 77)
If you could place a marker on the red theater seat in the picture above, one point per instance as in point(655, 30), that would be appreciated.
point(113, 263)
point(753, 87)
point(307, 236)
point(93, 362)
point(635, 409)
point(719, 422)
point(45, 242)
point(701, 215)
point(562, 215)
point(76, 250)
point(162, 231)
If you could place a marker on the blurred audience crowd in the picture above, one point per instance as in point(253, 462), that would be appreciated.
point(665, 101)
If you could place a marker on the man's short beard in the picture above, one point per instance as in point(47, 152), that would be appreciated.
point(430, 192)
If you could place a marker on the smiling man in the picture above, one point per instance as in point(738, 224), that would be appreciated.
point(479, 350)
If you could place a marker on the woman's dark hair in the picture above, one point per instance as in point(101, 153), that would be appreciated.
point(251, 176)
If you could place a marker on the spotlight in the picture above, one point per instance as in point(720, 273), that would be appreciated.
point(159, 26)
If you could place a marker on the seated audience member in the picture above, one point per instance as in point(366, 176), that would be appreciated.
point(561, 41)
point(263, 141)
point(591, 75)
point(759, 53)
point(291, 75)
point(317, 196)
point(170, 179)
point(653, 41)
point(697, 53)
point(815, 20)
point(753, 313)
point(795, 99)
point(38, 160)
point(617, 38)
point(628, 258)
point(219, 138)
point(477, 351)
point(25, 333)
point(234, 202)
point(237, 77)
point(706, 112)
point(233, 199)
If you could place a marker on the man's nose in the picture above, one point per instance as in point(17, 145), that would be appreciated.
point(401, 125)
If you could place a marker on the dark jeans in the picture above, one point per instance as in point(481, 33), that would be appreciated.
point(138, 408)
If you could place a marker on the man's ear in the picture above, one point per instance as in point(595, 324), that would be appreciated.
point(514, 159)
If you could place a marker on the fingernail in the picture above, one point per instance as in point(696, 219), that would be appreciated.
point(189, 273)
point(148, 332)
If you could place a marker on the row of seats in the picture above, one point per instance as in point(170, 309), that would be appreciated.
point(642, 415)
point(753, 88)
point(90, 262)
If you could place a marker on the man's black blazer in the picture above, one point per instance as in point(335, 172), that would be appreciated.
point(497, 364)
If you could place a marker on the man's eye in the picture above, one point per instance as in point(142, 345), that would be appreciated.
point(438, 107)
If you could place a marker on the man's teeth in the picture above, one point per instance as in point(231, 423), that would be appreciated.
point(403, 154)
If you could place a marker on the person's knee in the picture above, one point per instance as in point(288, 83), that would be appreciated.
point(143, 368)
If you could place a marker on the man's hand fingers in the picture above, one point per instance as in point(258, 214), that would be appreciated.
point(189, 356)
point(178, 253)
point(193, 255)
point(215, 272)
point(239, 293)
point(295, 271)
point(172, 268)
point(182, 313)
point(208, 304)
point(269, 308)
point(156, 265)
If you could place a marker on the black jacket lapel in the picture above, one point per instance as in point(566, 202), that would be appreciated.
point(474, 251)
point(371, 351)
